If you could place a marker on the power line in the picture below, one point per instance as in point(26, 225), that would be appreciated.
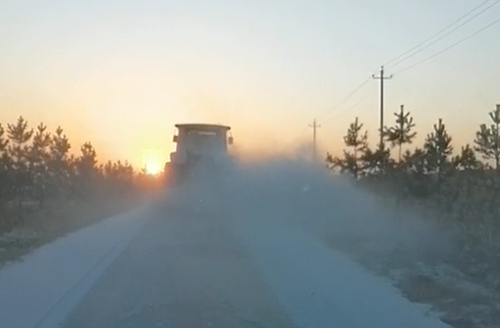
point(437, 33)
point(301, 133)
point(398, 60)
point(335, 116)
point(349, 108)
point(445, 35)
point(451, 46)
point(326, 113)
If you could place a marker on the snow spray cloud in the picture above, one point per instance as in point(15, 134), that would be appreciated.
point(287, 189)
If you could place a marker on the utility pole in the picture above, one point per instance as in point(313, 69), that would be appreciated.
point(314, 125)
point(382, 78)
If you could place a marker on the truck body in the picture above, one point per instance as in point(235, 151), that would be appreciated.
point(199, 148)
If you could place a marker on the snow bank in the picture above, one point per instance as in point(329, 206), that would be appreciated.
point(42, 289)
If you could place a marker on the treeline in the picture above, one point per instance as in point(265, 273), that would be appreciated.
point(37, 170)
point(461, 188)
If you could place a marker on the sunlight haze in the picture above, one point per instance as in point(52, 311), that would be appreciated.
point(121, 73)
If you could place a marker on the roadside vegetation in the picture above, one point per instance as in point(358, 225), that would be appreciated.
point(456, 188)
point(47, 191)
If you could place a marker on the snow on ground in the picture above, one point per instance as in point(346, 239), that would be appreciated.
point(322, 288)
point(47, 283)
point(280, 211)
point(276, 211)
point(319, 286)
point(183, 270)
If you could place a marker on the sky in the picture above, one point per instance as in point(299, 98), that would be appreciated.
point(121, 73)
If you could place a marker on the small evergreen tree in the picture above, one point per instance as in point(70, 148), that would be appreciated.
point(438, 148)
point(39, 158)
point(4, 169)
point(414, 178)
point(60, 164)
point(86, 169)
point(357, 142)
point(402, 132)
point(487, 141)
point(377, 162)
point(414, 162)
point(466, 160)
point(18, 150)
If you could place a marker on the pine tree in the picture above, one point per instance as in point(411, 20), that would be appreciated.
point(487, 141)
point(60, 163)
point(88, 159)
point(19, 136)
point(4, 168)
point(402, 132)
point(437, 150)
point(87, 171)
point(346, 164)
point(376, 162)
point(466, 160)
point(414, 162)
point(4, 142)
point(357, 141)
point(39, 158)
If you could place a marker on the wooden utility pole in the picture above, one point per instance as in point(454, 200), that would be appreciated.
point(314, 125)
point(382, 78)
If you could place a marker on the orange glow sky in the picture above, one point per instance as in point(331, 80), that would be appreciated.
point(121, 73)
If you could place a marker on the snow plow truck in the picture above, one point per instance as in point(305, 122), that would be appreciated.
point(201, 151)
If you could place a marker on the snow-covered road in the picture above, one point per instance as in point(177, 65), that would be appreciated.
point(193, 266)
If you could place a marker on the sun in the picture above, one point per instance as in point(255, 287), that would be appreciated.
point(152, 163)
point(152, 166)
